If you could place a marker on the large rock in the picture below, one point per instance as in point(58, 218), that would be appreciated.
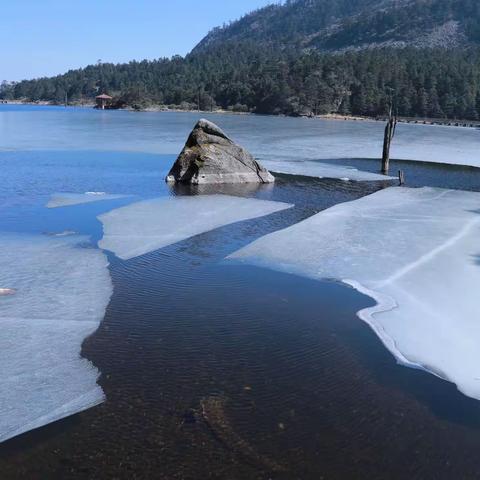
point(210, 156)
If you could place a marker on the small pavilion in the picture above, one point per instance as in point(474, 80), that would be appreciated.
point(103, 100)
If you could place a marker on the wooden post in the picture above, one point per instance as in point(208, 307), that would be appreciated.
point(387, 141)
point(401, 177)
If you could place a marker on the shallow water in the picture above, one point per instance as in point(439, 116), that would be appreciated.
point(214, 370)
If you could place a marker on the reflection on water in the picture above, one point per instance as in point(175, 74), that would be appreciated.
point(215, 370)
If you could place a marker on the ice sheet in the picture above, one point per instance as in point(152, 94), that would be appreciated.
point(61, 293)
point(416, 252)
point(69, 199)
point(323, 170)
point(266, 137)
point(146, 226)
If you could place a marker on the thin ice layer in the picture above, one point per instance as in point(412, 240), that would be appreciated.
point(147, 226)
point(69, 199)
point(61, 293)
point(416, 252)
point(323, 170)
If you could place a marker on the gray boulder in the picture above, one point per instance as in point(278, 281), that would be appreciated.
point(209, 156)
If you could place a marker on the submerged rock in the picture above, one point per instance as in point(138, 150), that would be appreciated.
point(210, 156)
point(214, 413)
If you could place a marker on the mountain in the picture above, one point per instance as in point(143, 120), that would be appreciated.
point(339, 25)
point(304, 57)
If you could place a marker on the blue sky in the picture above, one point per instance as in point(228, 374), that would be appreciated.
point(47, 37)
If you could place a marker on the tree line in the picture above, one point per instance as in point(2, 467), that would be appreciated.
point(244, 76)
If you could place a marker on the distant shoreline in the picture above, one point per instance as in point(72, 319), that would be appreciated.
point(328, 116)
point(413, 120)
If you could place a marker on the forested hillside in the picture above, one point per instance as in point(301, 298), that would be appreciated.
point(337, 25)
point(262, 64)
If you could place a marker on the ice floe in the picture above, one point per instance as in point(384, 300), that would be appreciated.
point(323, 170)
point(61, 293)
point(69, 199)
point(146, 226)
point(416, 252)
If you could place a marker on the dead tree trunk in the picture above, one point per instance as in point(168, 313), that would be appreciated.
point(387, 141)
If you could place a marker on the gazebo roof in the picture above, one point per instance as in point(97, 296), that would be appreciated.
point(104, 96)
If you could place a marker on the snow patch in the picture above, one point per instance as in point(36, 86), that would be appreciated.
point(62, 291)
point(147, 226)
point(416, 253)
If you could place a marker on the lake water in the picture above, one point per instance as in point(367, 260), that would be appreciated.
point(58, 128)
point(217, 370)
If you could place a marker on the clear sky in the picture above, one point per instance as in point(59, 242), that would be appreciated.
point(47, 37)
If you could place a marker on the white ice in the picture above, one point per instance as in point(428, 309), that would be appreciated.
point(323, 170)
point(416, 252)
point(69, 199)
point(266, 137)
point(147, 226)
point(61, 291)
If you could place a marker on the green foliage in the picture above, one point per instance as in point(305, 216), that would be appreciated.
point(244, 77)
